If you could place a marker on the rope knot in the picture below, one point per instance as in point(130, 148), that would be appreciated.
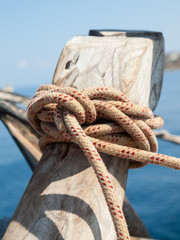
point(102, 119)
point(105, 114)
point(49, 99)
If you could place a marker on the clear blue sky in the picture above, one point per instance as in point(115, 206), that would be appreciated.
point(34, 32)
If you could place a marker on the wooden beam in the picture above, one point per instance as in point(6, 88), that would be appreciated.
point(130, 61)
point(63, 199)
point(27, 141)
point(135, 225)
point(165, 135)
point(13, 110)
point(25, 137)
point(14, 97)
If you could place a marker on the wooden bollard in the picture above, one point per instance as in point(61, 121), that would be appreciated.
point(63, 199)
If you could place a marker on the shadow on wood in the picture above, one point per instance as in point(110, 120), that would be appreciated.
point(125, 63)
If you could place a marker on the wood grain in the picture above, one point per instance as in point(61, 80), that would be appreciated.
point(13, 97)
point(128, 62)
point(63, 199)
point(25, 137)
point(14, 118)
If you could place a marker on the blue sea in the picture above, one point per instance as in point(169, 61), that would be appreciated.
point(153, 191)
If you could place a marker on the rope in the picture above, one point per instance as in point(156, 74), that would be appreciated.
point(99, 119)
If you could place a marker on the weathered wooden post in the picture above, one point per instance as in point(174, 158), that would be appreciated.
point(63, 199)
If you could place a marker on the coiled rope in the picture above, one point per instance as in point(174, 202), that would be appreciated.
point(99, 119)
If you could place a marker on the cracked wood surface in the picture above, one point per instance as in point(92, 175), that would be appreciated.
point(63, 199)
point(130, 61)
point(14, 118)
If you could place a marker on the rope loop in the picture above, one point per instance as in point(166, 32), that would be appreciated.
point(99, 119)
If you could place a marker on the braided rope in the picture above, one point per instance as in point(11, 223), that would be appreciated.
point(69, 115)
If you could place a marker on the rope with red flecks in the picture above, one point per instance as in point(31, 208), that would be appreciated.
point(99, 119)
